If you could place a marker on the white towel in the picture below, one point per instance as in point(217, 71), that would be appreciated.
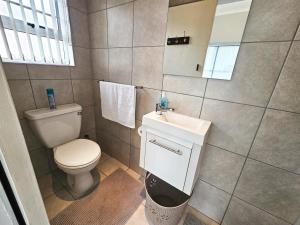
point(118, 103)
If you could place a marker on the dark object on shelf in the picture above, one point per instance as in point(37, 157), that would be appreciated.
point(178, 41)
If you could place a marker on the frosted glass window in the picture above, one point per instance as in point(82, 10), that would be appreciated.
point(46, 6)
point(12, 43)
point(3, 8)
point(25, 46)
point(36, 50)
point(2, 47)
point(29, 16)
point(37, 32)
point(225, 61)
point(38, 5)
point(46, 49)
point(16, 10)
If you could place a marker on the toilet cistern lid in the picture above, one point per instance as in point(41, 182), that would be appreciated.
point(77, 153)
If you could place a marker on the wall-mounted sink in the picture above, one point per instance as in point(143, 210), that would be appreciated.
point(171, 146)
point(191, 128)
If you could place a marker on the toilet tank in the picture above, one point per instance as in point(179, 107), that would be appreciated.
point(56, 126)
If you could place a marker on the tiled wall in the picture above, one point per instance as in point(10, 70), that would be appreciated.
point(71, 84)
point(250, 170)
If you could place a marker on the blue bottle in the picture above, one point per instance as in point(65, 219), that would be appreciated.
point(51, 99)
point(164, 103)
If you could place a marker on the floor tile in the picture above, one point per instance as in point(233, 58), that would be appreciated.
point(110, 166)
point(199, 216)
point(134, 174)
point(49, 185)
point(103, 157)
point(55, 204)
point(139, 217)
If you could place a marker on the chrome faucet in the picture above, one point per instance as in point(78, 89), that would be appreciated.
point(159, 109)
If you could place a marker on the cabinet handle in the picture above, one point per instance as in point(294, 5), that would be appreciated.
point(178, 152)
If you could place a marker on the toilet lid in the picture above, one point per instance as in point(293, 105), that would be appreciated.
point(77, 153)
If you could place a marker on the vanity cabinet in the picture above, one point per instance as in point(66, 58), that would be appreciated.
point(169, 154)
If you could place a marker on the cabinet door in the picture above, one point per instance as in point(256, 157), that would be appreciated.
point(167, 160)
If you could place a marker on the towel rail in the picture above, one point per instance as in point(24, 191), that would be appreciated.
point(137, 87)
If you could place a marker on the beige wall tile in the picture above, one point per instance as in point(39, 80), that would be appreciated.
point(96, 5)
point(103, 141)
point(49, 72)
point(83, 66)
point(79, 28)
point(120, 25)
point(150, 22)
point(90, 134)
point(112, 3)
point(297, 37)
point(184, 85)
point(278, 140)
point(88, 119)
point(117, 130)
point(120, 65)
point(147, 67)
point(185, 104)
point(135, 160)
point(276, 23)
point(220, 168)
point(239, 212)
point(39, 161)
point(135, 137)
point(22, 95)
point(83, 92)
point(146, 101)
point(233, 125)
point(287, 91)
point(120, 150)
point(15, 71)
point(62, 91)
point(96, 90)
point(32, 141)
point(100, 63)
point(78, 4)
point(270, 189)
point(254, 76)
point(209, 200)
point(98, 29)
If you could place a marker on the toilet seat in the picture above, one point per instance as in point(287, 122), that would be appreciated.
point(76, 154)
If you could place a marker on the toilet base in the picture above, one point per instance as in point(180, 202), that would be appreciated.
point(82, 184)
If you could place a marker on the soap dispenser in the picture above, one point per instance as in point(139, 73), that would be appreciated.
point(164, 103)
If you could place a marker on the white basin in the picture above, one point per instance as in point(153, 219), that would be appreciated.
point(186, 127)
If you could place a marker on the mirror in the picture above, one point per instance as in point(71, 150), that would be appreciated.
point(203, 37)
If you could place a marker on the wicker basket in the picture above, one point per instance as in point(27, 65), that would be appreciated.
point(164, 203)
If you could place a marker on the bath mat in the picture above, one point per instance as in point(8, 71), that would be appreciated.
point(112, 203)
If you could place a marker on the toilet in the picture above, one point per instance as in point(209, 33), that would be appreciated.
point(59, 130)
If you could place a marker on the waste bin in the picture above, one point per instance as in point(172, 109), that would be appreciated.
point(164, 203)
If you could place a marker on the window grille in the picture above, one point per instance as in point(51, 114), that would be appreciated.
point(35, 31)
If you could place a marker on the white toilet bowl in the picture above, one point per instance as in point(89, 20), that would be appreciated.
point(77, 158)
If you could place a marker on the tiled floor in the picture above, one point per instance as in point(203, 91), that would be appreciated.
point(56, 196)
